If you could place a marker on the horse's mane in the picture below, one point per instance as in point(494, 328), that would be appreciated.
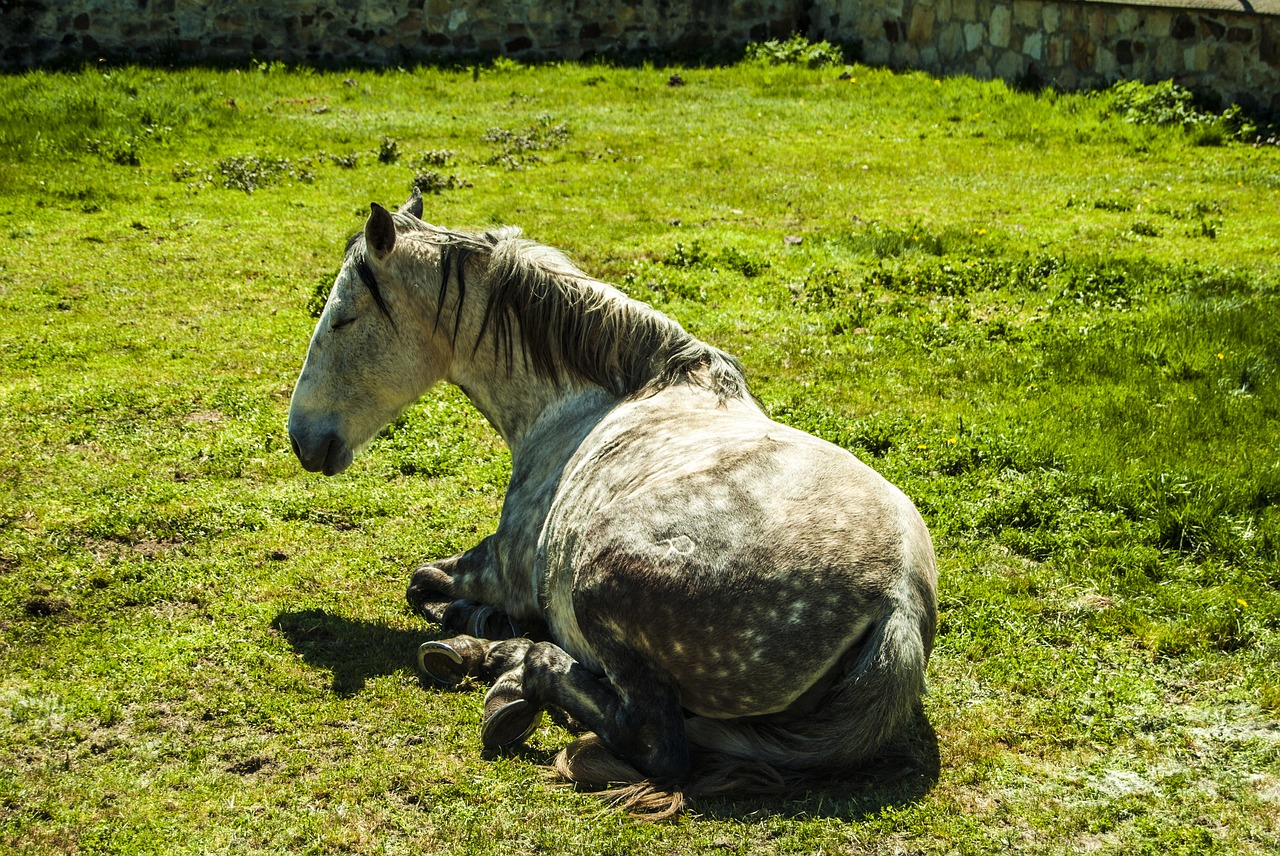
point(565, 324)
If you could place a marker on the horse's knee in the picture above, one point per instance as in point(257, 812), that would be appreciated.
point(429, 585)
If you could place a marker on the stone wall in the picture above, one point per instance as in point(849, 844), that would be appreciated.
point(1070, 45)
point(1210, 46)
point(334, 32)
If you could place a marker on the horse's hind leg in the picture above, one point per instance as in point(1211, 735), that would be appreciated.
point(636, 714)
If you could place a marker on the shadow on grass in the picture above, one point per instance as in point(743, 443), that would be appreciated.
point(354, 651)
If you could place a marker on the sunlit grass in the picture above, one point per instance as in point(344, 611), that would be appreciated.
point(1053, 327)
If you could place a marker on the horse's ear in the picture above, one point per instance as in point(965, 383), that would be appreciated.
point(413, 205)
point(379, 231)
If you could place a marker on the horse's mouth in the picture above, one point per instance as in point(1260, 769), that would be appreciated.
point(329, 454)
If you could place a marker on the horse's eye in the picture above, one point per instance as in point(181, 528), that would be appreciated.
point(341, 323)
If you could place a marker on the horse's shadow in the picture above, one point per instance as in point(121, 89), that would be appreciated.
point(355, 651)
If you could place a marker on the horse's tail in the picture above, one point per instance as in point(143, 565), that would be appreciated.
point(869, 709)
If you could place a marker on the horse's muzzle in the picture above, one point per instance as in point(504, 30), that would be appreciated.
point(328, 452)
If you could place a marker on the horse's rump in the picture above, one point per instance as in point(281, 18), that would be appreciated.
point(742, 557)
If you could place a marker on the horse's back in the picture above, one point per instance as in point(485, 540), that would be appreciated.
point(743, 556)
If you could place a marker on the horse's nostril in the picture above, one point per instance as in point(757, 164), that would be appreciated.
point(293, 441)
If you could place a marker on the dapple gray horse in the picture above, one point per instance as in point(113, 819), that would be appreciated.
point(703, 582)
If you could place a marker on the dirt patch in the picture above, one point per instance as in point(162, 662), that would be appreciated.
point(249, 766)
point(44, 606)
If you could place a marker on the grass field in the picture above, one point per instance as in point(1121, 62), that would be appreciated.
point(1048, 318)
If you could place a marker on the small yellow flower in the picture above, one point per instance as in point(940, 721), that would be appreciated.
point(1222, 356)
point(1242, 601)
point(951, 440)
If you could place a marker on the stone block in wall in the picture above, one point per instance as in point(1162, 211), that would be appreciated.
point(1158, 23)
point(1211, 29)
point(965, 10)
point(190, 18)
point(1026, 13)
point(870, 27)
point(1183, 27)
point(1269, 49)
point(379, 15)
point(1050, 16)
point(999, 31)
point(920, 30)
point(973, 36)
point(1055, 52)
point(1124, 22)
point(876, 52)
point(1008, 66)
point(1228, 59)
point(410, 22)
point(1196, 58)
point(1239, 35)
point(951, 42)
point(1105, 63)
point(1033, 46)
point(942, 12)
point(1081, 50)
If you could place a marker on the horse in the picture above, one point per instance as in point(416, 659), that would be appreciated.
point(718, 598)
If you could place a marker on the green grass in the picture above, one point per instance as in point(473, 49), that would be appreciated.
point(1051, 324)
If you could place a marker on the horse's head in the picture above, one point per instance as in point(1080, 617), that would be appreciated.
point(372, 353)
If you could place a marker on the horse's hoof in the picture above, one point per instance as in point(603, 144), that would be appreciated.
point(451, 661)
point(509, 724)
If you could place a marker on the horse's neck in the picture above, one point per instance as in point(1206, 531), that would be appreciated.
point(520, 405)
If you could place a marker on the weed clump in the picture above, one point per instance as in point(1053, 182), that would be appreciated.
point(250, 173)
point(1168, 104)
point(519, 147)
point(796, 50)
point(435, 182)
point(247, 173)
point(388, 150)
